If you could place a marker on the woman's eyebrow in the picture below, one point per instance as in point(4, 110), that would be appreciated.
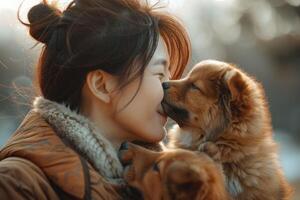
point(161, 61)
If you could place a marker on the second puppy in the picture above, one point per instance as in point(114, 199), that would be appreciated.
point(172, 174)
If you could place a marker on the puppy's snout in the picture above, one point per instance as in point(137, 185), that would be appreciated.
point(165, 85)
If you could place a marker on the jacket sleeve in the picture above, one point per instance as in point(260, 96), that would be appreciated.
point(21, 179)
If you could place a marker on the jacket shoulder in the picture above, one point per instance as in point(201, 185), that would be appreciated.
point(21, 179)
point(36, 141)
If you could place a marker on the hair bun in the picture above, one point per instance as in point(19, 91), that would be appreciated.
point(43, 18)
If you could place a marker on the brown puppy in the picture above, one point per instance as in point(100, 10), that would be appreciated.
point(222, 111)
point(172, 175)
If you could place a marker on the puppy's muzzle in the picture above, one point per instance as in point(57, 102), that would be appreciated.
point(165, 85)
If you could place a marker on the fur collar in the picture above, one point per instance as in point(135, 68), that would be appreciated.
point(83, 136)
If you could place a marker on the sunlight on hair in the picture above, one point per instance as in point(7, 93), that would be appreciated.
point(172, 4)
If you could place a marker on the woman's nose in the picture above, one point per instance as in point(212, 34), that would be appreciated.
point(165, 85)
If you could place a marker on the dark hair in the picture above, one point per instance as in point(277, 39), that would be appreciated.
point(117, 36)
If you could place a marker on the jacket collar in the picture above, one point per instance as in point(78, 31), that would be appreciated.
point(83, 135)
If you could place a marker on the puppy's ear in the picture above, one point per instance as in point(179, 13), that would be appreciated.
point(235, 83)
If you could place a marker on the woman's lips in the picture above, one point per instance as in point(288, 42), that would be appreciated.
point(162, 112)
point(163, 115)
point(164, 118)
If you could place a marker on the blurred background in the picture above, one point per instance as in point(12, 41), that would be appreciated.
point(260, 36)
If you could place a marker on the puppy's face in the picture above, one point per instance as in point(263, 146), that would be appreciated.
point(167, 175)
point(202, 99)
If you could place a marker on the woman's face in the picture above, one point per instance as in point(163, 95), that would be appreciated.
point(143, 117)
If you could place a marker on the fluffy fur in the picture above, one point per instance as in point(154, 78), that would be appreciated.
point(172, 175)
point(80, 132)
point(222, 111)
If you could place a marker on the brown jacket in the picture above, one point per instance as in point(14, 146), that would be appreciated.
point(55, 154)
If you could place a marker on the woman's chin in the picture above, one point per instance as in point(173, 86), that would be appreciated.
point(151, 133)
point(154, 138)
point(158, 137)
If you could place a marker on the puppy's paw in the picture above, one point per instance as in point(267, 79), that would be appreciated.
point(211, 149)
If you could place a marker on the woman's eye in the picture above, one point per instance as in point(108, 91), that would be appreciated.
point(160, 75)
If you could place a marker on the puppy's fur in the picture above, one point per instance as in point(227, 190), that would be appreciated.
point(172, 175)
point(223, 112)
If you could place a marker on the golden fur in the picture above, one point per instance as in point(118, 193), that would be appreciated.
point(222, 111)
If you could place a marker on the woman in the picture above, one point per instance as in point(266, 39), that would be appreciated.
point(98, 84)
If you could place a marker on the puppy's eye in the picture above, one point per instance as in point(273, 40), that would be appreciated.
point(195, 87)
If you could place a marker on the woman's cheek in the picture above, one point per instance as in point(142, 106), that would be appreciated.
point(141, 116)
point(150, 97)
point(156, 90)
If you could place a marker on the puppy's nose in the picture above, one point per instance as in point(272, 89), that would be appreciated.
point(165, 85)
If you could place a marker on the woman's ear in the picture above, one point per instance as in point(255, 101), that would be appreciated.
point(99, 83)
